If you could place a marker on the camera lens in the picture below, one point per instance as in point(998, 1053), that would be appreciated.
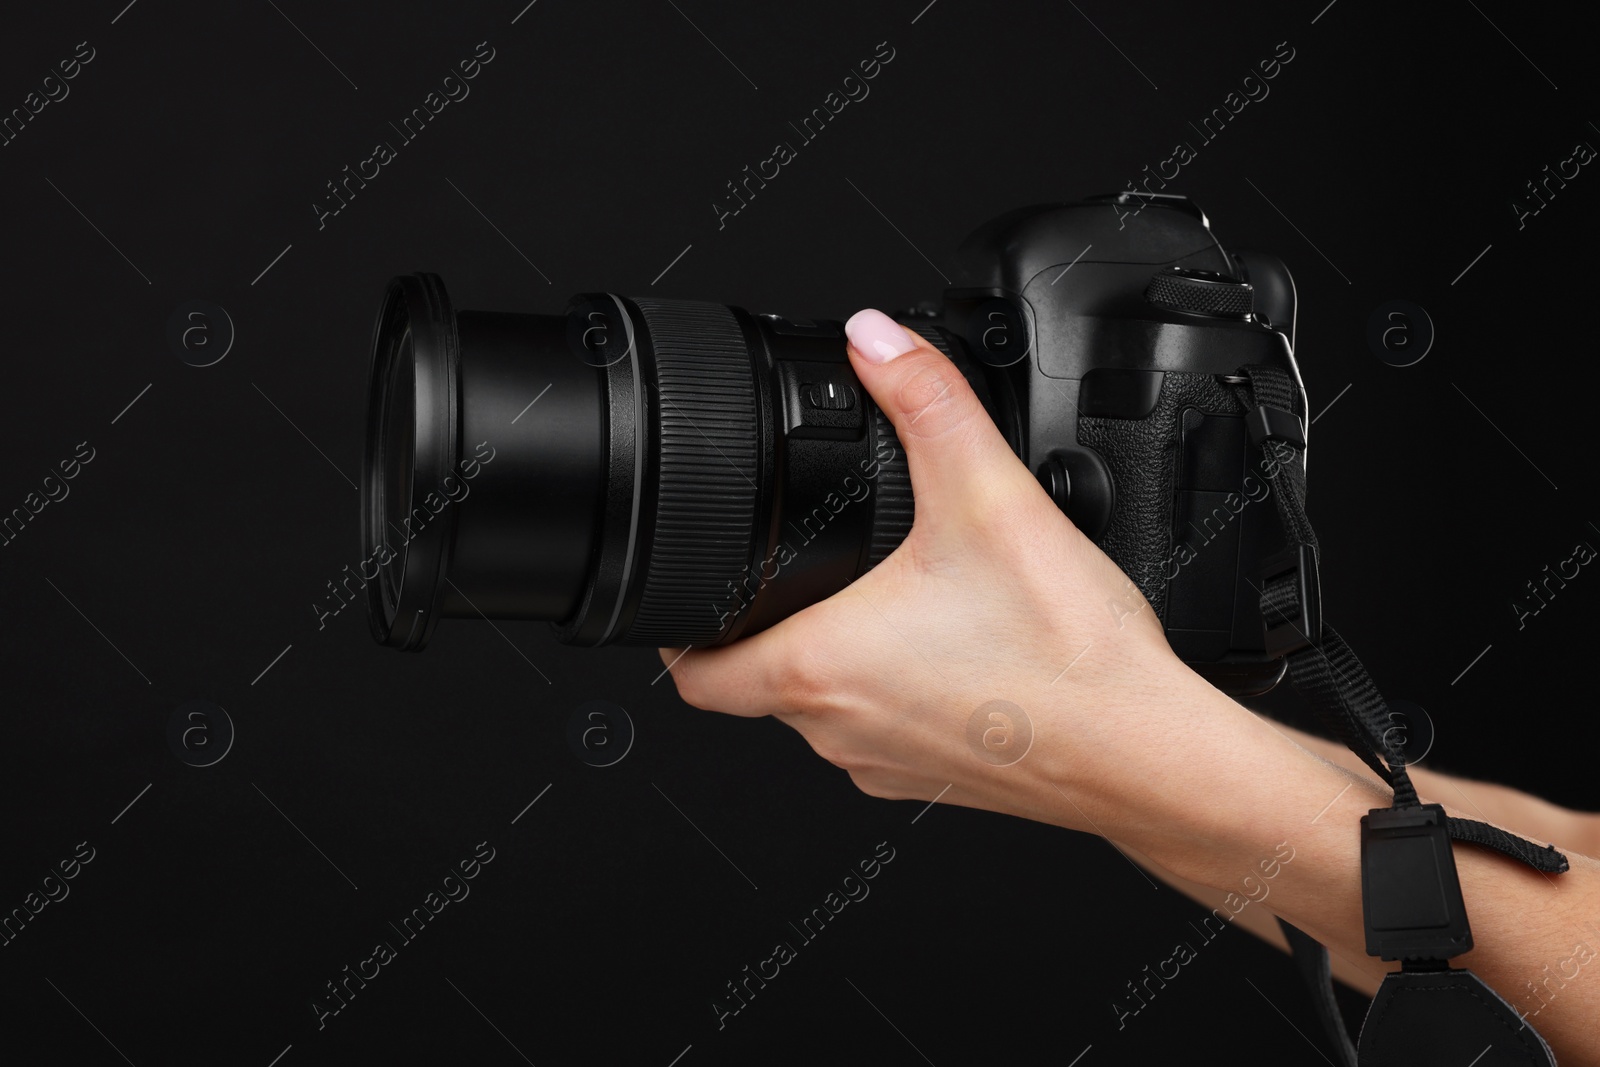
point(484, 466)
point(637, 471)
point(397, 431)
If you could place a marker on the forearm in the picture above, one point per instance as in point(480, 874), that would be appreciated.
point(1238, 795)
point(1531, 816)
point(1361, 972)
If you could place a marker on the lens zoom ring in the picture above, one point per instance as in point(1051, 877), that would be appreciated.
point(892, 510)
point(709, 470)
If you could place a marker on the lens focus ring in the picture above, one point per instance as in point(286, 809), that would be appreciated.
point(709, 470)
point(892, 511)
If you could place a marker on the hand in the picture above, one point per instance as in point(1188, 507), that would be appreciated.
point(994, 596)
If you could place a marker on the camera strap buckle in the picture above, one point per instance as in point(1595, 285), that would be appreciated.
point(1269, 423)
point(1291, 600)
point(1410, 892)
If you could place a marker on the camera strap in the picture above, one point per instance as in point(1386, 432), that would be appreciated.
point(1427, 1012)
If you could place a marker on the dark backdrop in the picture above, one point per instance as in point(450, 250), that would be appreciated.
point(182, 164)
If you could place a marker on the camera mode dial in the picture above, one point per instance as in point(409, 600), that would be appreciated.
point(1201, 292)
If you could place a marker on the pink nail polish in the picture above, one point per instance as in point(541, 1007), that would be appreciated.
point(877, 337)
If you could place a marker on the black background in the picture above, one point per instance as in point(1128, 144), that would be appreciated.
point(193, 546)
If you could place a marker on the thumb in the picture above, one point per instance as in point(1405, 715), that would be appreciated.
point(960, 463)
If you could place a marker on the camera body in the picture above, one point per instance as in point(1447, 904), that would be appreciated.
point(1109, 331)
point(694, 473)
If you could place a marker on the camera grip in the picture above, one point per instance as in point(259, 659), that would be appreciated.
point(1143, 456)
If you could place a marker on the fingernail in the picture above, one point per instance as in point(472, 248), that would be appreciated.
point(877, 337)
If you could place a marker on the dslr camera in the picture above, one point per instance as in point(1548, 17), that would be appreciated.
point(646, 471)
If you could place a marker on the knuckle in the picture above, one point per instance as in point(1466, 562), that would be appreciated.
point(691, 685)
point(871, 786)
point(802, 678)
point(882, 783)
point(828, 748)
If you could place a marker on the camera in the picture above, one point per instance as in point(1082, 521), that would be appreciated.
point(660, 472)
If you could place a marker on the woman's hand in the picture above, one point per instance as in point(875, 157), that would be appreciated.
point(993, 597)
point(996, 597)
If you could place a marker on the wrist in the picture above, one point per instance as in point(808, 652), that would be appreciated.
point(1210, 790)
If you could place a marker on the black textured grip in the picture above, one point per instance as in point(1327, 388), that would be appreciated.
point(708, 470)
point(1143, 456)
